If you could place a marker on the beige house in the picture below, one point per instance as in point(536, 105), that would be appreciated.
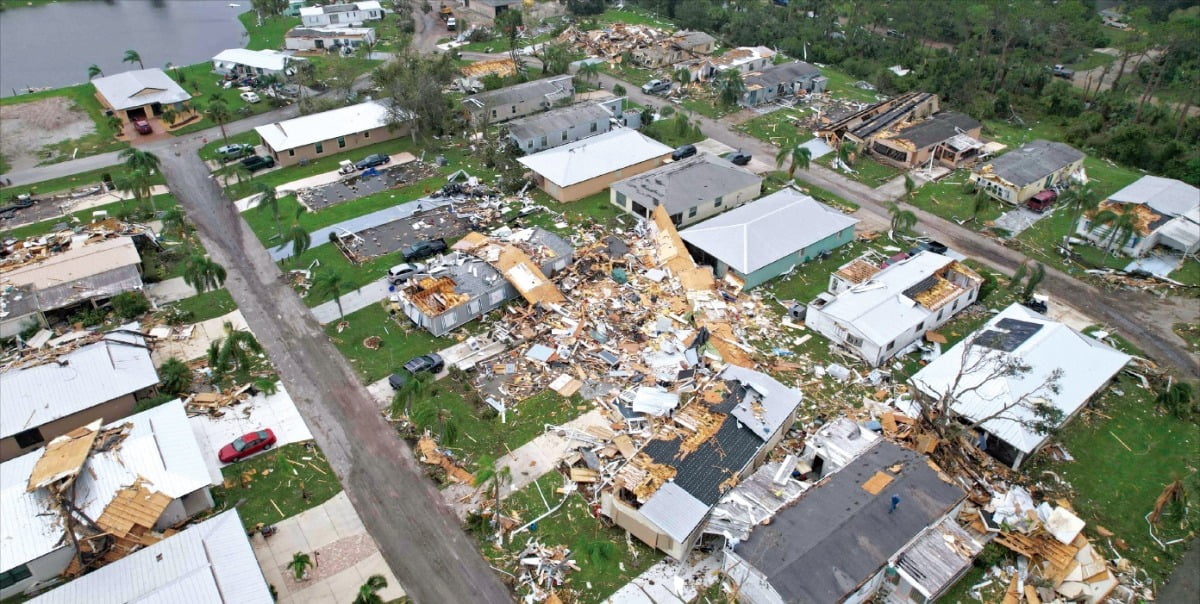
point(512, 102)
point(1024, 172)
point(140, 94)
point(588, 166)
point(948, 138)
point(315, 136)
point(102, 380)
point(691, 190)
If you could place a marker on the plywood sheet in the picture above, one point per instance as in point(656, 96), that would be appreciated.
point(64, 456)
point(877, 483)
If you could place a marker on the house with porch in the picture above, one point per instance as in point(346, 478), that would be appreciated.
point(329, 38)
point(1027, 170)
point(690, 190)
point(245, 62)
point(350, 13)
point(782, 81)
point(769, 237)
point(140, 94)
point(948, 138)
point(1167, 216)
point(314, 136)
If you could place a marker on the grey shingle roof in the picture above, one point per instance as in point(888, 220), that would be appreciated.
point(838, 535)
point(1034, 161)
point(786, 72)
point(522, 92)
point(940, 127)
point(684, 184)
point(556, 120)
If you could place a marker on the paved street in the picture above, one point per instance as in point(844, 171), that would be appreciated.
point(419, 538)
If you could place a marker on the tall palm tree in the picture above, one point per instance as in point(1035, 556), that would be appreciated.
point(731, 87)
point(136, 182)
point(1120, 227)
point(203, 273)
point(487, 473)
point(367, 591)
point(173, 222)
point(300, 240)
point(132, 56)
point(331, 284)
point(269, 202)
point(800, 155)
point(1078, 201)
point(910, 186)
point(902, 219)
point(219, 112)
point(238, 349)
point(589, 71)
point(428, 415)
point(414, 389)
point(846, 153)
point(136, 159)
point(94, 71)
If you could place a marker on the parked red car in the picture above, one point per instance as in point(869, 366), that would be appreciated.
point(247, 445)
point(1042, 201)
point(143, 127)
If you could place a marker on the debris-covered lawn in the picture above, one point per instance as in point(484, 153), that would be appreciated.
point(277, 484)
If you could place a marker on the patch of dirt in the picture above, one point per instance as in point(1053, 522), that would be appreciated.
point(27, 127)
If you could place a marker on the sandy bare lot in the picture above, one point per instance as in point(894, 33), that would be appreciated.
point(26, 127)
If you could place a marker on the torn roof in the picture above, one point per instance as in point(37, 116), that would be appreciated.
point(1166, 196)
point(159, 449)
point(63, 457)
point(91, 375)
point(1032, 162)
point(767, 404)
point(517, 267)
point(550, 89)
point(211, 561)
point(839, 534)
point(936, 559)
point(1045, 346)
point(682, 185)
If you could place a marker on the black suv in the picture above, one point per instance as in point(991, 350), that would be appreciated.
point(424, 249)
point(255, 163)
point(431, 362)
point(684, 152)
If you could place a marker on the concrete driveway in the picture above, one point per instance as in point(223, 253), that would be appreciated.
point(274, 411)
point(333, 535)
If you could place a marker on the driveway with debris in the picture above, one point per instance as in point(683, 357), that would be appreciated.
point(274, 411)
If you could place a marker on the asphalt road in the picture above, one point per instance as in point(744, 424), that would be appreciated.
point(420, 538)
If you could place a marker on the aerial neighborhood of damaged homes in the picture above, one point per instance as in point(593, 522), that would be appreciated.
point(666, 325)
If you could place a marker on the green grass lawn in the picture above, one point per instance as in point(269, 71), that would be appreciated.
point(672, 132)
point(69, 183)
point(866, 170)
point(776, 128)
point(205, 87)
point(708, 107)
point(949, 199)
point(809, 280)
point(209, 151)
point(83, 98)
point(401, 342)
point(1114, 485)
point(842, 85)
point(208, 305)
point(825, 196)
point(632, 17)
point(634, 76)
point(270, 35)
point(1014, 135)
point(333, 260)
point(1190, 332)
point(282, 483)
point(573, 526)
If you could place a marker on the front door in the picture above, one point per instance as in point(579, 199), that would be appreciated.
point(320, 43)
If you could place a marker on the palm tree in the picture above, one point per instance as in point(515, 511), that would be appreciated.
point(902, 219)
point(136, 182)
point(300, 564)
point(94, 71)
point(238, 349)
point(730, 83)
point(1120, 227)
point(173, 222)
point(115, 124)
point(203, 273)
point(978, 204)
point(1078, 200)
point(136, 159)
point(846, 153)
point(683, 76)
point(367, 591)
point(589, 71)
point(331, 284)
point(168, 115)
point(175, 376)
point(910, 186)
point(800, 155)
point(269, 202)
point(414, 389)
point(132, 56)
point(429, 416)
point(219, 112)
point(300, 240)
point(487, 473)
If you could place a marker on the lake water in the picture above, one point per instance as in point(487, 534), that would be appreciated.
point(53, 44)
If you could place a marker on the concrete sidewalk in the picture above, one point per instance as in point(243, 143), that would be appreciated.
point(358, 299)
point(344, 554)
point(171, 290)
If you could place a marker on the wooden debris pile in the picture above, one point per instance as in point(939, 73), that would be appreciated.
point(214, 403)
point(429, 453)
point(544, 569)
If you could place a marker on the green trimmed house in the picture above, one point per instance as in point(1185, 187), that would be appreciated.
point(767, 238)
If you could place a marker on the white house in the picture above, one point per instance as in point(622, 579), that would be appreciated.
point(131, 478)
point(242, 61)
point(1004, 402)
point(877, 312)
point(588, 166)
point(311, 137)
point(1167, 211)
point(352, 13)
point(327, 38)
point(211, 561)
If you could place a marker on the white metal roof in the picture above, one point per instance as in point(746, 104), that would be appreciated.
point(271, 60)
point(93, 374)
point(878, 307)
point(674, 511)
point(759, 233)
point(309, 129)
point(80, 261)
point(139, 87)
point(208, 562)
point(1166, 196)
point(160, 449)
point(588, 158)
point(312, 11)
point(765, 413)
point(1087, 365)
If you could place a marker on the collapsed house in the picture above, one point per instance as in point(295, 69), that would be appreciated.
point(1065, 369)
point(768, 238)
point(645, 46)
point(743, 59)
point(665, 492)
point(888, 510)
point(69, 382)
point(328, 38)
point(564, 125)
point(481, 275)
point(94, 495)
point(862, 126)
point(877, 312)
point(588, 166)
point(691, 190)
point(781, 83)
point(1027, 170)
point(948, 138)
point(1167, 215)
point(211, 561)
point(518, 100)
point(63, 270)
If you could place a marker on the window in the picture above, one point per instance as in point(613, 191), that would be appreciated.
point(13, 576)
point(853, 340)
point(543, 141)
point(367, 134)
point(594, 126)
point(620, 199)
point(493, 113)
point(514, 109)
point(530, 145)
point(720, 200)
point(564, 136)
point(341, 142)
point(496, 297)
point(320, 147)
point(29, 438)
point(692, 212)
point(291, 153)
point(891, 345)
